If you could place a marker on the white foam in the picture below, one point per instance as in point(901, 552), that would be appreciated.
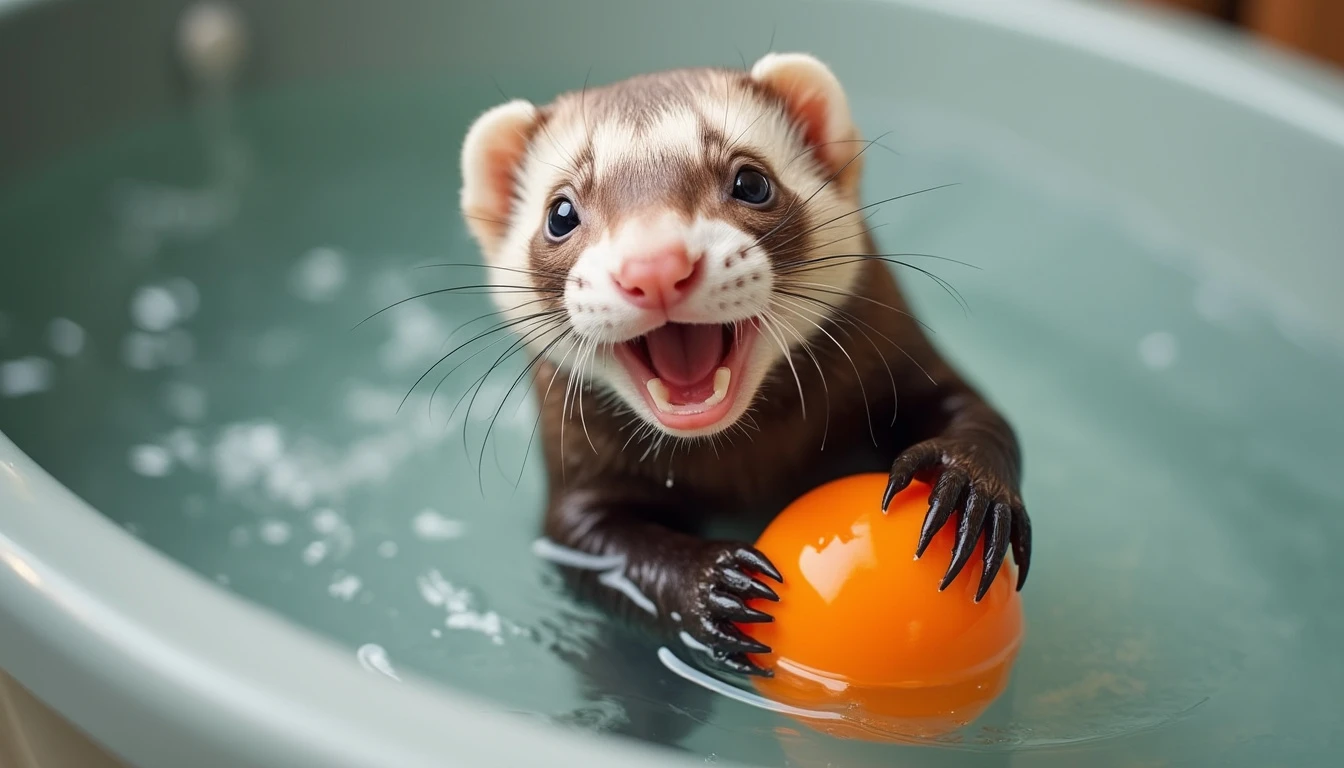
point(439, 592)
point(303, 472)
point(387, 549)
point(327, 521)
point(155, 308)
point(687, 672)
point(151, 460)
point(458, 604)
point(184, 446)
point(345, 586)
point(245, 452)
point(274, 532)
point(66, 337)
point(285, 482)
point(488, 624)
point(1158, 350)
point(319, 275)
point(337, 534)
point(432, 526)
point(315, 553)
point(25, 376)
point(373, 657)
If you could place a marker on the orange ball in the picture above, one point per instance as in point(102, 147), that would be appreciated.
point(860, 625)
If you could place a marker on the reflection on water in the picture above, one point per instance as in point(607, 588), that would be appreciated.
point(179, 350)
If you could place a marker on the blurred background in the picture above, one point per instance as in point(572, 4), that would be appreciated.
point(1314, 28)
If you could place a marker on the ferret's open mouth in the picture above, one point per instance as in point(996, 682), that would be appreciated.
point(689, 374)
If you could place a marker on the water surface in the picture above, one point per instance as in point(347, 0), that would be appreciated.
point(176, 345)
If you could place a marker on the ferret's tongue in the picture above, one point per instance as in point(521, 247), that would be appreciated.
point(685, 356)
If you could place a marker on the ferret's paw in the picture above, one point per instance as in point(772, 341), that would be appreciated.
point(725, 577)
point(988, 505)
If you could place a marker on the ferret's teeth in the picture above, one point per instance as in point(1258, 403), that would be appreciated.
point(658, 391)
point(721, 378)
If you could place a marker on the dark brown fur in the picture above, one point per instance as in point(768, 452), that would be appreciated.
point(609, 491)
point(608, 496)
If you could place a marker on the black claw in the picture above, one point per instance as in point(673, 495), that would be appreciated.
point(743, 666)
point(1021, 540)
point(744, 585)
point(755, 588)
point(731, 640)
point(731, 607)
point(997, 529)
point(758, 562)
point(901, 474)
point(968, 531)
point(944, 500)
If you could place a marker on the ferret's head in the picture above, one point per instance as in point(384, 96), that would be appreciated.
point(672, 237)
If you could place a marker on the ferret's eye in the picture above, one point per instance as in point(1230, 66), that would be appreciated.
point(561, 219)
point(751, 186)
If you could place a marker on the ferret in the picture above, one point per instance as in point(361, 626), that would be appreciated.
point(714, 332)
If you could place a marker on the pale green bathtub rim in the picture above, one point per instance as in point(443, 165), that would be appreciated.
point(168, 669)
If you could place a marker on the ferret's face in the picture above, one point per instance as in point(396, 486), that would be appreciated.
point(671, 233)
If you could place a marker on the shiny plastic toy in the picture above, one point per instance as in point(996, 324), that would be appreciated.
point(861, 626)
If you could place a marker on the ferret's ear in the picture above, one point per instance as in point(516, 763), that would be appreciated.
point(491, 154)
point(818, 104)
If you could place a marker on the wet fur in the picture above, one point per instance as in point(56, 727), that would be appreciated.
point(849, 368)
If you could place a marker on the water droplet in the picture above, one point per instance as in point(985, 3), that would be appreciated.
point(151, 460)
point(26, 376)
point(66, 337)
point(1158, 350)
point(432, 526)
point(274, 532)
point(327, 521)
point(319, 275)
point(154, 308)
point(345, 586)
point(314, 553)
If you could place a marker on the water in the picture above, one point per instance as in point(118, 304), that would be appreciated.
point(176, 345)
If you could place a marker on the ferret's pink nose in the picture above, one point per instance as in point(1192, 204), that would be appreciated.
point(659, 278)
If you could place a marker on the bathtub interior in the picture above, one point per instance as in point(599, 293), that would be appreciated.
point(179, 351)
